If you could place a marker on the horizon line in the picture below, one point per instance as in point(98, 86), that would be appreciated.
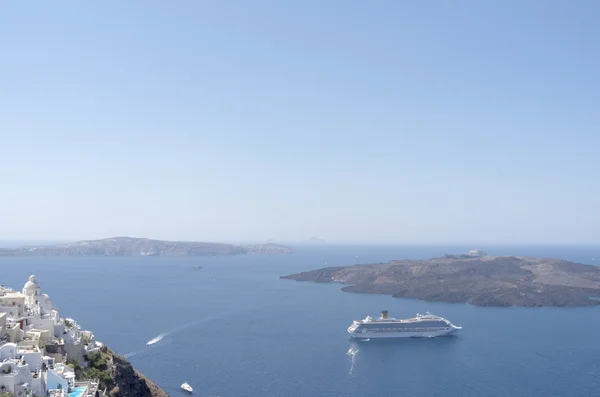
point(308, 242)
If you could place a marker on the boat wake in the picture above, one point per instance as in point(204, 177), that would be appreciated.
point(352, 352)
point(160, 337)
point(156, 339)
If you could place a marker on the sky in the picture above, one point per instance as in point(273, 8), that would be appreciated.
point(351, 121)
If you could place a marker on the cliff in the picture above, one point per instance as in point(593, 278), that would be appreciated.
point(130, 382)
point(117, 376)
point(130, 246)
point(480, 281)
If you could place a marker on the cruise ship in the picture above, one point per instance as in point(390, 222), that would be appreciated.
point(421, 326)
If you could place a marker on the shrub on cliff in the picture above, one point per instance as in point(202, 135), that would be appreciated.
point(97, 369)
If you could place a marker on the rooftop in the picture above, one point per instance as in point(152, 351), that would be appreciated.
point(12, 294)
point(28, 349)
point(55, 393)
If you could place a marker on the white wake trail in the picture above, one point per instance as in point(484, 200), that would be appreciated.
point(156, 339)
point(352, 352)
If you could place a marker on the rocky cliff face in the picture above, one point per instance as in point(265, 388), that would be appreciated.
point(128, 382)
point(117, 376)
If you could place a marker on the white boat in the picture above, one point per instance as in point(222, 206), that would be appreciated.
point(185, 386)
point(421, 326)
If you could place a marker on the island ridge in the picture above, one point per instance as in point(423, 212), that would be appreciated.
point(130, 246)
point(478, 280)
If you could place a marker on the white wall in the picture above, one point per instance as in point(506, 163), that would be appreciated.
point(45, 303)
point(12, 310)
point(46, 324)
point(53, 380)
point(37, 386)
point(2, 319)
point(20, 374)
point(14, 333)
point(34, 360)
point(8, 350)
point(59, 329)
point(8, 381)
point(12, 304)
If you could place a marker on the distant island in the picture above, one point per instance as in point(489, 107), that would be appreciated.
point(479, 280)
point(131, 246)
point(314, 240)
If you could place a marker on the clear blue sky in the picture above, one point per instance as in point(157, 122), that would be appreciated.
point(372, 121)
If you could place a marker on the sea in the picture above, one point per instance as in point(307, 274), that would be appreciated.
point(234, 328)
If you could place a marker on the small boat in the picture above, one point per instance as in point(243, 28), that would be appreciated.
point(197, 267)
point(187, 387)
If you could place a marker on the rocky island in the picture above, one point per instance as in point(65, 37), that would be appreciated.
point(479, 280)
point(130, 246)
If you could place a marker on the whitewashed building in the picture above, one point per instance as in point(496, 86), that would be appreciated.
point(12, 302)
point(34, 343)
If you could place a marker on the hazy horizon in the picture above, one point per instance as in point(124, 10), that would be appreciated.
point(361, 122)
point(15, 243)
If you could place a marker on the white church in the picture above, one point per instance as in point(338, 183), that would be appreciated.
point(35, 343)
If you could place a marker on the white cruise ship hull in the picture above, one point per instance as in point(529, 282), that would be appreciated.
point(421, 326)
point(388, 335)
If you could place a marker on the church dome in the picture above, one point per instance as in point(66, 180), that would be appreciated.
point(31, 286)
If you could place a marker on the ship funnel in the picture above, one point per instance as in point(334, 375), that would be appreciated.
point(384, 314)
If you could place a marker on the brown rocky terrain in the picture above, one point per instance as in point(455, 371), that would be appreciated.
point(130, 382)
point(117, 376)
point(480, 281)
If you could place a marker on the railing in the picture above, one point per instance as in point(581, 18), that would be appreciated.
point(93, 387)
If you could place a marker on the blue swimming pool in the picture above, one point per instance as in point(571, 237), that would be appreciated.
point(78, 391)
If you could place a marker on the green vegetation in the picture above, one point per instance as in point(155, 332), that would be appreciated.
point(68, 323)
point(97, 369)
point(4, 393)
point(96, 360)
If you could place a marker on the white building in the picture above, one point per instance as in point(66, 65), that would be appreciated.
point(16, 378)
point(60, 377)
point(11, 332)
point(8, 351)
point(34, 342)
point(12, 302)
point(32, 355)
point(39, 313)
point(2, 325)
point(477, 253)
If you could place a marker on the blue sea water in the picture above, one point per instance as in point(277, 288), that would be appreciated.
point(233, 328)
